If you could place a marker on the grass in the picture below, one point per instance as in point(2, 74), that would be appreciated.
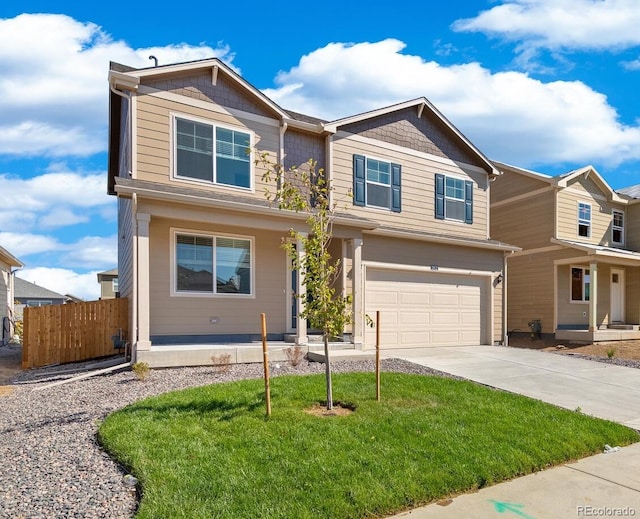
point(210, 451)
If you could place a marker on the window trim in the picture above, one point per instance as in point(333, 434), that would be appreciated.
point(173, 155)
point(584, 270)
point(360, 197)
point(441, 198)
point(582, 221)
point(174, 292)
point(617, 227)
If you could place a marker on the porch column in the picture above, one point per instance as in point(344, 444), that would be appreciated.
point(593, 297)
point(301, 290)
point(143, 342)
point(357, 293)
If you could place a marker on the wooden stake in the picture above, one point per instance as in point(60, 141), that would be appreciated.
point(265, 360)
point(378, 355)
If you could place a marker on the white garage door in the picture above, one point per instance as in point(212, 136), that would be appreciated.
point(425, 309)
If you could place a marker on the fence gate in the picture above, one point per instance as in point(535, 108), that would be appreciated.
point(57, 334)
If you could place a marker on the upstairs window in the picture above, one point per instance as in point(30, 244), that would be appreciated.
point(580, 284)
point(584, 220)
point(454, 199)
point(209, 153)
point(617, 227)
point(114, 284)
point(376, 183)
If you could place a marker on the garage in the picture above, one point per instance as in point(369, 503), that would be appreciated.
point(421, 308)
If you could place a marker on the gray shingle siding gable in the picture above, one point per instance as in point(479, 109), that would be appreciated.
point(404, 128)
point(200, 87)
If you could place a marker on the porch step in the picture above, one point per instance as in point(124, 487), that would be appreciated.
point(634, 327)
point(318, 356)
point(313, 338)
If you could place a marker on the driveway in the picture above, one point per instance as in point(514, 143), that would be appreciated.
point(599, 389)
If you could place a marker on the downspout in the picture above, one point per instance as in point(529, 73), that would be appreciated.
point(505, 329)
point(133, 336)
point(283, 130)
point(134, 276)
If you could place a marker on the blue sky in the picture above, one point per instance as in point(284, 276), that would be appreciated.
point(549, 85)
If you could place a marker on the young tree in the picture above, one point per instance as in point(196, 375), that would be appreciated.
point(306, 190)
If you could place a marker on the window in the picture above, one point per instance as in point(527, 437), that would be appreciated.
point(376, 183)
point(114, 284)
point(580, 284)
point(212, 264)
point(584, 220)
point(38, 302)
point(212, 154)
point(617, 227)
point(454, 199)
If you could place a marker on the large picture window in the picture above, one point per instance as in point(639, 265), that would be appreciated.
point(212, 264)
point(580, 284)
point(210, 153)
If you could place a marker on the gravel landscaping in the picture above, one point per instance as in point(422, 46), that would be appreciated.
point(52, 465)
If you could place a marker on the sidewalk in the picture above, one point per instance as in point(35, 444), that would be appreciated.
point(605, 485)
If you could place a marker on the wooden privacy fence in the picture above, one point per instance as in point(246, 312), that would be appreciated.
point(57, 334)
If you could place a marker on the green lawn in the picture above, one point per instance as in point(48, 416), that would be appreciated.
point(210, 452)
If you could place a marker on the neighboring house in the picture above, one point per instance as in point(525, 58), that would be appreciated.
point(30, 294)
point(578, 273)
point(200, 254)
point(8, 262)
point(108, 284)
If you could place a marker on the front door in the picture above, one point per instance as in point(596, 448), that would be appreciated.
point(617, 295)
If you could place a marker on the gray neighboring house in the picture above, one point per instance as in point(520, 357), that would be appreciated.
point(30, 294)
point(8, 264)
point(108, 281)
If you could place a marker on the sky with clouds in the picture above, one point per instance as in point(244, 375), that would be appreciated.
point(549, 85)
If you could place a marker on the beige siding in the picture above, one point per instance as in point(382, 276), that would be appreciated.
point(181, 315)
point(418, 190)
point(528, 223)
point(632, 227)
point(510, 185)
point(572, 312)
point(154, 140)
point(583, 190)
point(5, 300)
point(530, 292)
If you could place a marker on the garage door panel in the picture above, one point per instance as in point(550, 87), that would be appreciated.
point(414, 318)
point(423, 308)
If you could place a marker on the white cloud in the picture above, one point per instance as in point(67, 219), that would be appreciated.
point(64, 281)
point(508, 115)
point(632, 65)
point(22, 244)
point(87, 252)
point(59, 198)
point(560, 24)
point(53, 87)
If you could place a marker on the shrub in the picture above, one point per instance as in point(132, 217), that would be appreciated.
point(221, 362)
point(294, 355)
point(141, 370)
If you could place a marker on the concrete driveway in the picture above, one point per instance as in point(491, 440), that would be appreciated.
point(598, 389)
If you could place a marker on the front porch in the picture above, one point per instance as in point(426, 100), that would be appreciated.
point(626, 332)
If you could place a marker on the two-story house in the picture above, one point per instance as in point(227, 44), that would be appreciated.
point(200, 254)
point(8, 262)
point(578, 273)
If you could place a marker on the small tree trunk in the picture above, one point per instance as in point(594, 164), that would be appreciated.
point(327, 371)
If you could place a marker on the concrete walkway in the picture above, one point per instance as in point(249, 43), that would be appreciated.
point(605, 485)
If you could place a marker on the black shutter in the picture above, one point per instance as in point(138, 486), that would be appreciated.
point(439, 196)
point(468, 201)
point(358, 180)
point(396, 188)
